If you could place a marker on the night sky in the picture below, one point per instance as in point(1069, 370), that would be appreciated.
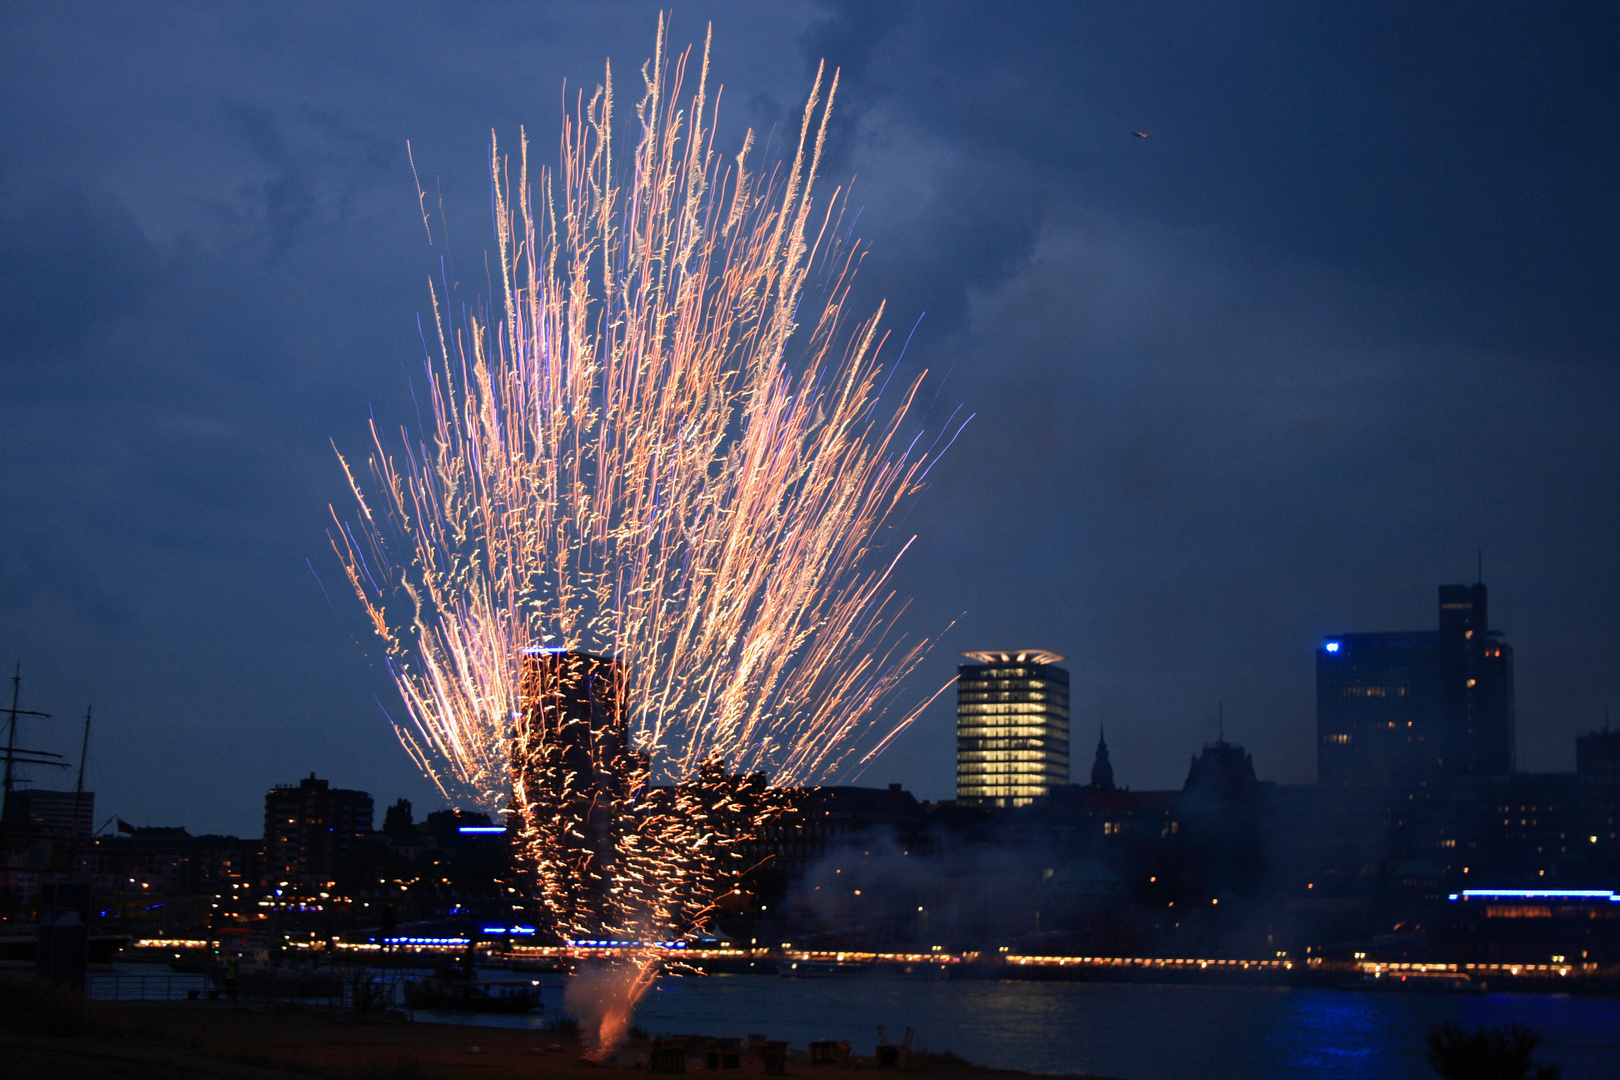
point(1345, 317)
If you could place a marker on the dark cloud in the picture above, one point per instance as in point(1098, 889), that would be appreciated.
point(1274, 371)
point(1450, 150)
point(34, 577)
point(74, 263)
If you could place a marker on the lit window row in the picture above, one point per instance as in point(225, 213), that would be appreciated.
point(1373, 691)
point(980, 682)
point(1008, 790)
point(1013, 710)
point(1006, 695)
point(1012, 753)
point(1008, 737)
point(1036, 782)
point(981, 769)
point(1011, 731)
point(972, 694)
point(1025, 791)
point(1028, 748)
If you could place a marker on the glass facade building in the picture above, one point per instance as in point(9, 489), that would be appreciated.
point(1378, 715)
point(1012, 728)
point(1414, 707)
point(1476, 680)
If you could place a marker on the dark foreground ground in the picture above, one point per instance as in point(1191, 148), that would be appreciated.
point(197, 1040)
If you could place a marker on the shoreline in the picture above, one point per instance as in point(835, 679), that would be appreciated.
point(1076, 1030)
point(197, 1039)
point(1361, 976)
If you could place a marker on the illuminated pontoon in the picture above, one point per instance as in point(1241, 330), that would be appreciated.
point(1012, 727)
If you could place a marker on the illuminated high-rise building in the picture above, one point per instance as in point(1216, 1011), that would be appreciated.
point(1012, 727)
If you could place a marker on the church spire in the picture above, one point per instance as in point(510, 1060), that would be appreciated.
point(1102, 773)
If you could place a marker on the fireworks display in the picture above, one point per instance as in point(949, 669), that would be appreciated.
point(643, 554)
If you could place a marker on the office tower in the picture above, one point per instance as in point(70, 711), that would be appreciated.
point(1378, 708)
point(572, 761)
point(1476, 686)
point(313, 831)
point(1012, 728)
point(1397, 708)
point(572, 733)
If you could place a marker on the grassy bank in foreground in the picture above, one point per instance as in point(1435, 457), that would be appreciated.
point(48, 1032)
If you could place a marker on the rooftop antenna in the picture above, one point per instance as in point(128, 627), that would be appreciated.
point(1480, 554)
point(1220, 721)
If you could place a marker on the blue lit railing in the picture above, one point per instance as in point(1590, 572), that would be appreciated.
point(1537, 894)
point(627, 944)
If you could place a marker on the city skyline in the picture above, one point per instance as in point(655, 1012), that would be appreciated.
point(1331, 647)
point(1336, 324)
point(1358, 689)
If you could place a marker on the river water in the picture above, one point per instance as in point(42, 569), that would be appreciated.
point(1130, 1032)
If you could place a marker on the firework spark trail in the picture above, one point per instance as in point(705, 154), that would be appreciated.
point(623, 462)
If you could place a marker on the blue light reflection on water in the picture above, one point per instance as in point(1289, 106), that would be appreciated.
point(1356, 1035)
point(1343, 1034)
point(1132, 1032)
